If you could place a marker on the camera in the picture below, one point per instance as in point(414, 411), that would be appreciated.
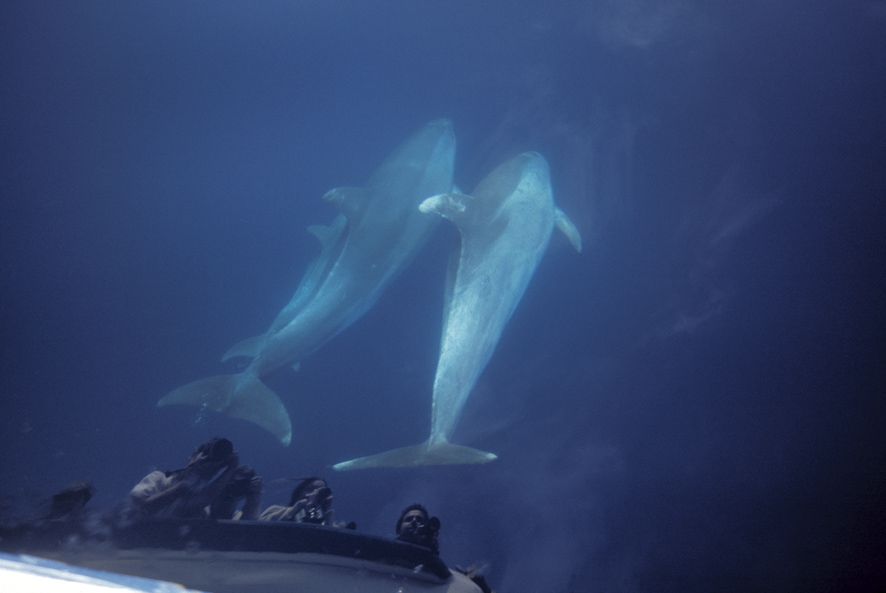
point(314, 514)
point(433, 526)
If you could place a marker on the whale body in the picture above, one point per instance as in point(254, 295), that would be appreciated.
point(378, 232)
point(505, 226)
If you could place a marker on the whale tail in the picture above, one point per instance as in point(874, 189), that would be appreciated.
point(240, 396)
point(248, 348)
point(438, 453)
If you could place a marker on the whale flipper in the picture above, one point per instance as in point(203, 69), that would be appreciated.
point(239, 396)
point(562, 222)
point(451, 206)
point(440, 453)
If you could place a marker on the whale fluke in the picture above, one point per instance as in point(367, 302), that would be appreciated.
point(440, 453)
point(239, 396)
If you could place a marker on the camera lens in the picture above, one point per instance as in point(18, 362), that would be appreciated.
point(434, 524)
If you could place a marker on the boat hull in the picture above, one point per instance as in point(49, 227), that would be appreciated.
point(247, 557)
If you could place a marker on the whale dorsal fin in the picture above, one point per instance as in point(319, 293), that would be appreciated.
point(562, 222)
point(349, 200)
point(326, 234)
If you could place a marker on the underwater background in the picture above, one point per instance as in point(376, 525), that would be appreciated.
point(693, 403)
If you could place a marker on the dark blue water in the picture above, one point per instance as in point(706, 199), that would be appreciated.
point(694, 403)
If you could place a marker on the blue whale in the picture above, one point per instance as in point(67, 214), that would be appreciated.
point(378, 232)
point(505, 226)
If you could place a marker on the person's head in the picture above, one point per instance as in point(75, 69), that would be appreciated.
point(307, 487)
point(416, 526)
point(213, 449)
point(413, 516)
point(214, 453)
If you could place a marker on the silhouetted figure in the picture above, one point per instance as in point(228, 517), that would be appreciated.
point(211, 484)
point(244, 485)
point(69, 502)
point(310, 502)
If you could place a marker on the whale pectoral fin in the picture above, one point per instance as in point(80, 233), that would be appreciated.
point(238, 396)
point(562, 222)
point(248, 348)
point(451, 206)
point(349, 200)
point(441, 453)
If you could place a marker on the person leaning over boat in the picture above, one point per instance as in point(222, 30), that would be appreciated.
point(416, 526)
point(210, 485)
point(244, 485)
point(310, 502)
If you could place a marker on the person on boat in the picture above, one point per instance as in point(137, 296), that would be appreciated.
point(416, 526)
point(69, 502)
point(310, 502)
point(68, 505)
point(61, 518)
point(244, 485)
point(210, 485)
